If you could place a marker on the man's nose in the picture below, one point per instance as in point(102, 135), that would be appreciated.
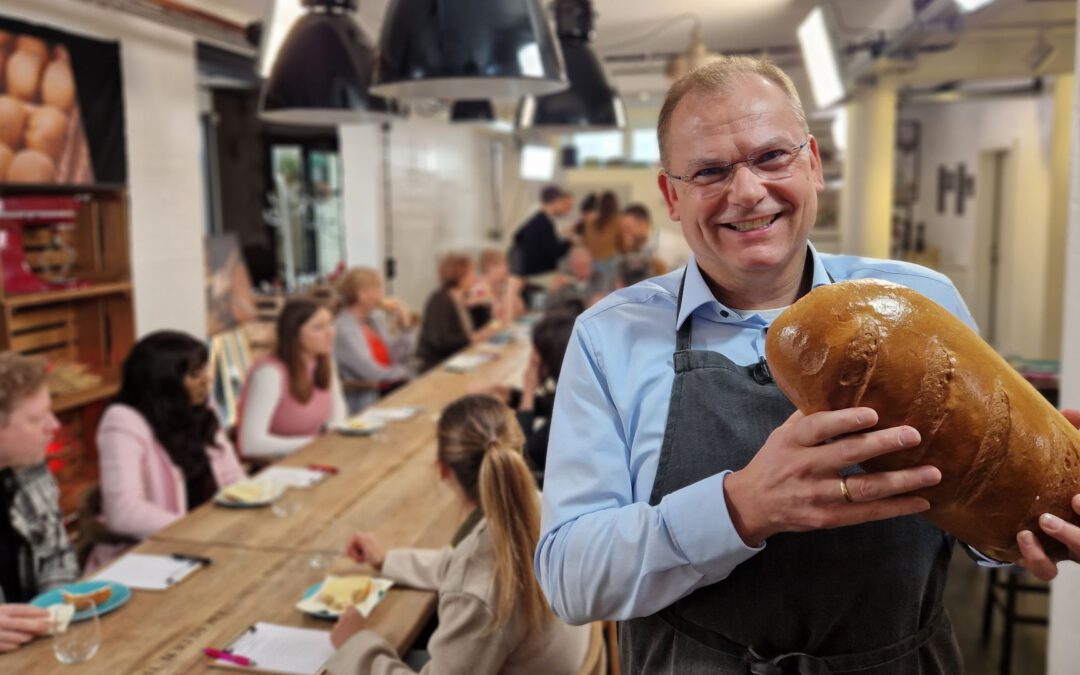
point(746, 188)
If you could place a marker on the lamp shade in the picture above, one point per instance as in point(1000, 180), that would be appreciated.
point(455, 49)
point(472, 110)
point(590, 102)
point(322, 73)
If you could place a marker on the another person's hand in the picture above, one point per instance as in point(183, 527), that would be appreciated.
point(20, 624)
point(557, 282)
point(348, 624)
point(1034, 558)
point(364, 547)
point(793, 484)
point(530, 382)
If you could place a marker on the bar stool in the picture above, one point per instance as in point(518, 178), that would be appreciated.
point(1012, 585)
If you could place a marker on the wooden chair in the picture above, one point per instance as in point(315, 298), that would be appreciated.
point(596, 658)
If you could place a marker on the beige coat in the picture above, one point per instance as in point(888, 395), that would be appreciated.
point(467, 600)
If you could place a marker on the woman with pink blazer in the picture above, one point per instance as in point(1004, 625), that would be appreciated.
point(161, 448)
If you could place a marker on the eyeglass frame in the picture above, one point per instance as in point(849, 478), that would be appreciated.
point(689, 179)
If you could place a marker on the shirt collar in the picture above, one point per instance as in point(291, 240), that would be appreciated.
point(696, 293)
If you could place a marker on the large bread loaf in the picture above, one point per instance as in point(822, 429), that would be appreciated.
point(1005, 454)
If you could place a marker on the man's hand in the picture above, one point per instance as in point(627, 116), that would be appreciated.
point(20, 624)
point(1034, 558)
point(793, 483)
point(348, 624)
point(364, 547)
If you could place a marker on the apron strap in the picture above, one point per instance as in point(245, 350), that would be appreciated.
point(798, 662)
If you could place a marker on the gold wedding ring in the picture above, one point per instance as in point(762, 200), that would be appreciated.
point(844, 491)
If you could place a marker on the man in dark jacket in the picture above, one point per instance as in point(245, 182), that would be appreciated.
point(537, 245)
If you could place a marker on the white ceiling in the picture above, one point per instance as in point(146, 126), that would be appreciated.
point(636, 36)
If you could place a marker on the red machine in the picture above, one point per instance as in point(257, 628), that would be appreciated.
point(15, 214)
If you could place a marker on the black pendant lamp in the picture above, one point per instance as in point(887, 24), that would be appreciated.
point(454, 49)
point(472, 110)
point(323, 71)
point(590, 102)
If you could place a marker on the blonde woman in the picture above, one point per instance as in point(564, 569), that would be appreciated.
point(492, 615)
point(365, 347)
point(496, 294)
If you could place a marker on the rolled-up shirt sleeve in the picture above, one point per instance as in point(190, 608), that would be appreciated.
point(603, 554)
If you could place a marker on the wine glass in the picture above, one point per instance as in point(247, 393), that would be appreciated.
point(80, 641)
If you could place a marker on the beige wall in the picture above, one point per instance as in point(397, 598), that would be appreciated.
point(164, 169)
point(962, 132)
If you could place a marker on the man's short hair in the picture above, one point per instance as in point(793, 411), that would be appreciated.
point(552, 193)
point(639, 211)
point(20, 376)
point(717, 78)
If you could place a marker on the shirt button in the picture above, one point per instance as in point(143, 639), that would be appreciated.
point(724, 313)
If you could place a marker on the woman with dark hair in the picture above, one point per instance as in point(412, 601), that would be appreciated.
point(161, 448)
point(446, 327)
point(492, 615)
point(291, 395)
point(602, 231)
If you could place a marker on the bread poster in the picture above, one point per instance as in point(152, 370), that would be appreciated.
point(48, 79)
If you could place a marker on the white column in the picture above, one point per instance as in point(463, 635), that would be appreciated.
point(1064, 642)
point(866, 202)
point(362, 194)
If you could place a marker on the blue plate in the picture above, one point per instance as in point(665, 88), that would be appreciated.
point(120, 595)
point(318, 615)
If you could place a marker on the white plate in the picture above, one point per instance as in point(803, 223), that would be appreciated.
point(268, 493)
point(360, 426)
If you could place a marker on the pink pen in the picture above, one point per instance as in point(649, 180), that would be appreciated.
point(227, 656)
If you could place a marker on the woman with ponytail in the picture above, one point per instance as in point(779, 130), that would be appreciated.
point(493, 617)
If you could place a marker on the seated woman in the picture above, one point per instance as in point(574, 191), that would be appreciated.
point(291, 395)
point(550, 336)
point(446, 327)
point(492, 615)
point(364, 346)
point(496, 294)
point(161, 448)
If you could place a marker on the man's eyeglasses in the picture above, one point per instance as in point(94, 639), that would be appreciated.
point(774, 164)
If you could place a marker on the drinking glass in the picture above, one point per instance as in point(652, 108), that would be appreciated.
point(80, 641)
point(286, 505)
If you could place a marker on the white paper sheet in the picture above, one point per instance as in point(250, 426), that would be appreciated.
point(292, 476)
point(283, 649)
point(148, 572)
point(464, 363)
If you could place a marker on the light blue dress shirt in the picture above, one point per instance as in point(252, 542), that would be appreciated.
point(604, 552)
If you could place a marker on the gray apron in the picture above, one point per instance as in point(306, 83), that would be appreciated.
point(862, 599)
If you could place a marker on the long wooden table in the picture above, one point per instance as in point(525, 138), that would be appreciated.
point(387, 483)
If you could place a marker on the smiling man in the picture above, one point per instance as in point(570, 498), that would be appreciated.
point(684, 495)
point(34, 550)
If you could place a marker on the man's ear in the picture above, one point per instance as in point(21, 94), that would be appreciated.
point(818, 173)
point(667, 187)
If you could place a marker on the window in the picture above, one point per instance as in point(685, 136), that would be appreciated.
point(598, 147)
point(645, 147)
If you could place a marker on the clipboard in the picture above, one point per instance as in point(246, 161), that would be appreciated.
point(280, 650)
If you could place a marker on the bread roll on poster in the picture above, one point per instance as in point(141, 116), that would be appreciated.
point(1006, 455)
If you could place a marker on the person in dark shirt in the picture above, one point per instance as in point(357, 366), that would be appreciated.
point(537, 246)
point(34, 551)
point(446, 327)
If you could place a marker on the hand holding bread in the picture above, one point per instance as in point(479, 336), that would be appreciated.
point(792, 484)
point(1006, 456)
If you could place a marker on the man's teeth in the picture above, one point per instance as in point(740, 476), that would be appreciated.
point(748, 225)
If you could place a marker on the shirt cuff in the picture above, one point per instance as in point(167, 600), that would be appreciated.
point(711, 544)
point(983, 560)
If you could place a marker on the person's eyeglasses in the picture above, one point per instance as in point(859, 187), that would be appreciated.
point(774, 164)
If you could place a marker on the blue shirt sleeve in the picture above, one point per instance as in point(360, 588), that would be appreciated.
point(603, 554)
